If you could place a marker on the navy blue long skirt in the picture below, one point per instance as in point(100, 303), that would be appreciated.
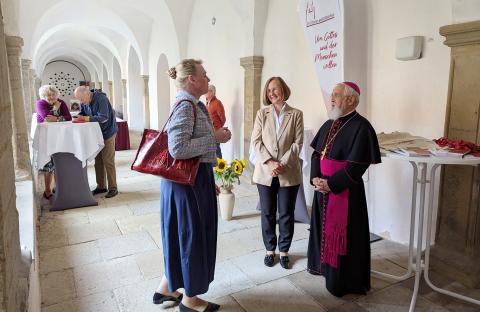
point(189, 223)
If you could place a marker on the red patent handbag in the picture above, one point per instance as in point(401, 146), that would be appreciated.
point(153, 156)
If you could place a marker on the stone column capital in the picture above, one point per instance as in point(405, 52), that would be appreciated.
point(254, 62)
point(14, 45)
point(26, 63)
point(461, 34)
point(144, 77)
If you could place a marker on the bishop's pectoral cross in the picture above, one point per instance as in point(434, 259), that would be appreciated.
point(323, 153)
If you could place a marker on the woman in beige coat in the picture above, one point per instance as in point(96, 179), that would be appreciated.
point(278, 137)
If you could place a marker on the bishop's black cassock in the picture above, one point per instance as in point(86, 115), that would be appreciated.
point(339, 244)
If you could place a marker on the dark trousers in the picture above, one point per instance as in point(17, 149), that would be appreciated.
point(285, 197)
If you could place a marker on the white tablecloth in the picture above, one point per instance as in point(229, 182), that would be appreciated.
point(83, 140)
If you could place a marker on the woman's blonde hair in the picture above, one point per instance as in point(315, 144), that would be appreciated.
point(45, 89)
point(182, 70)
point(283, 86)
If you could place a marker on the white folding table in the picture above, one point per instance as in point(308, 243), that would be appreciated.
point(421, 178)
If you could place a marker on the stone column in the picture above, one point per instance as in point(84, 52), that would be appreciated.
point(33, 89)
point(21, 155)
point(99, 85)
point(457, 243)
point(146, 102)
point(252, 89)
point(37, 83)
point(27, 96)
point(110, 93)
point(12, 295)
point(125, 99)
point(93, 84)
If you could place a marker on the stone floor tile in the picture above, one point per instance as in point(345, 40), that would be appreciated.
point(104, 276)
point(314, 286)
point(125, 245)
point(252, 265)
point(229, 304)
point(67, 306)
point(57, 287)
point(78, 280)
point(238, 243)
point(245, 190)
point(100, 302)
point(140, 223)
point(228, 279)
point(52, 234)
point(145, 207)
point(298, 252)
point(383, 265)
point(138, 297)
point(109, 213)
point(246, 204)
point(80, 233)
point(69, 217)
point(150, 263)
point(156, 235)
point(348, 307)
point(57, 259)
point(229, 226)
point(149, 194)
point(392, 251)
point(129, 185)
point(249, 219)
point(301, 231)
point(461, 306)
point(449, 302)
point(424, 289)
point(278, 296)
point(396, 299)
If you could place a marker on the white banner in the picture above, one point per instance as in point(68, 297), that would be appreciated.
point(323, 25)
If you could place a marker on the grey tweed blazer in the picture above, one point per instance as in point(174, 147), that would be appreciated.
point(187, 137)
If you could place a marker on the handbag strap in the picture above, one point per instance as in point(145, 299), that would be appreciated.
point(175, 108)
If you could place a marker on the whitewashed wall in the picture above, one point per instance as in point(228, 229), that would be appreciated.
point(66, 76)
point(221, 46)
point(406, 96)
point(134, 92)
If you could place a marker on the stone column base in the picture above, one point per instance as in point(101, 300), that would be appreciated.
point(22, 175)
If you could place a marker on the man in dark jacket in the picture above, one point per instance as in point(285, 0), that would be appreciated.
point(96, 107)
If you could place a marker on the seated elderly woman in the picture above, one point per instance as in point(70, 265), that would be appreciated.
point(51, 109)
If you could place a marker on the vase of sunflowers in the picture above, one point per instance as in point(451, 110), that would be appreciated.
point(227, 174)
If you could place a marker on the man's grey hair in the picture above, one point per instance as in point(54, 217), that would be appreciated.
point(45, 89)
point(349, 91)
point(212, 88)
point(81, 90)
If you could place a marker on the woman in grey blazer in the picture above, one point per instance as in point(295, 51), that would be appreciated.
point(278, 137)
point(189, 213)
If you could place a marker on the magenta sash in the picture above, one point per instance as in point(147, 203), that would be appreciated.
point(336, 217)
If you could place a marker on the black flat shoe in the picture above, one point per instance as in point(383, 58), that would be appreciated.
point(285, 262)
point(211, 307)
point(269, 260)
point(158, 298)
point(111, 193)
point(99, 191)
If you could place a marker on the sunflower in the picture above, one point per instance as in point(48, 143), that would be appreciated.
point(244, 164)
point(237, 167)
point(221, 165)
